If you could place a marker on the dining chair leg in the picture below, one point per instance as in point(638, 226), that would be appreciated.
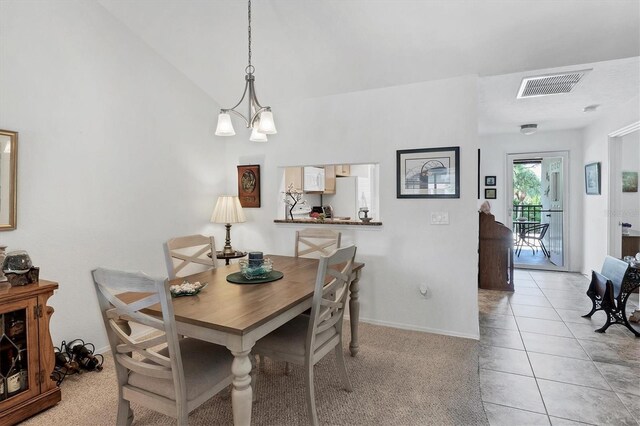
point(125, 415)
point(311, 400)
point(342, 368)
point(183, 416)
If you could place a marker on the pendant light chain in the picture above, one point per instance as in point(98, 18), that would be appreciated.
point(250, 68)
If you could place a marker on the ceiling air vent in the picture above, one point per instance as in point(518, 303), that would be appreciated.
point(550, 84)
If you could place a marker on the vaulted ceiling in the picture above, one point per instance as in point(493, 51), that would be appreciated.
point(311, 48)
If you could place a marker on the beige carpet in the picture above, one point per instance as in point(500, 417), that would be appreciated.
point(399, 378)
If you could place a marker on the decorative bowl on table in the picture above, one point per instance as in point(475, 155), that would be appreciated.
point(186, 288)
point(255, 270)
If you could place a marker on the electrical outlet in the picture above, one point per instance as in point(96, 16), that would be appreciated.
point(439, 218)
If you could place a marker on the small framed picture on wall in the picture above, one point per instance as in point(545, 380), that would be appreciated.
point(249, 185)
point(592, 178)
point(489, 181)
point(490, 193)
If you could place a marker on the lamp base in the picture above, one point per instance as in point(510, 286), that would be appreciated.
point(227, 249)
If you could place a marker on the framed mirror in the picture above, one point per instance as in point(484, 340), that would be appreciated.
point(8, 179)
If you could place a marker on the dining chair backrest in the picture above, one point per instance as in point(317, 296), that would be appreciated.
point(139, 354)
point(157, 370)
point(317, 242)
point(329, 298)
point(189, 255)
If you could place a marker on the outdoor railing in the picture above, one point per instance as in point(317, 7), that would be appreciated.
point(531, 212)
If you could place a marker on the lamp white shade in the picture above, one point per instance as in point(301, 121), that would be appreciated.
point(228, 210)
point(267, 125)
point(225, 126)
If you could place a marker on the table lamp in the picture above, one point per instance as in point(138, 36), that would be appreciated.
point(228, 210)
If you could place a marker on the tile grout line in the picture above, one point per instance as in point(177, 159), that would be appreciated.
point(529, 360)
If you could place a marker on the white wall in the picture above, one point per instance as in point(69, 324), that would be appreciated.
point(368, 127)
point(116, 151)
point(494, 150)
point(630, 211)
point(596, 208)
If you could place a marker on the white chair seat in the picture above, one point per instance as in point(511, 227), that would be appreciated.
point(200, 372)
point(291, 338)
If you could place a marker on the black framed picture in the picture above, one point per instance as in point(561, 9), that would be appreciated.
point(489, 181)
point(428, 173)
point(592, 178)
point(490, 193)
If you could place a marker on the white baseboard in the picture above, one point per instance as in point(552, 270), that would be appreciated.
point(415, 328)
point(365, 320)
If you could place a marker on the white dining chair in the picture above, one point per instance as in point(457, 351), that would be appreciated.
point(316, 242)
point(189, 255)
point(306, 339)
point(158, 371)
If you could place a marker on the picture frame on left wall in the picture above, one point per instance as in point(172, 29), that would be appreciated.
point(249, 185)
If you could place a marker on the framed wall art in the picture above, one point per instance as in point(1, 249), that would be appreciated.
point(489, 181)
point(428, 173)
point(490, 193)
point(249, 185)
point(629, 181)
point(592, 178)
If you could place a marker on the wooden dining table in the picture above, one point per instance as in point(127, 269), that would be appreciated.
point(237, 315)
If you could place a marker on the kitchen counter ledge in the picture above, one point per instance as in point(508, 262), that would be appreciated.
point(328, 222)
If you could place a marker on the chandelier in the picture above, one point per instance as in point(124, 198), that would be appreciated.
point(259, 119)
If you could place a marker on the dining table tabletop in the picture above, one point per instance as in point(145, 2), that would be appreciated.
point(237, 315)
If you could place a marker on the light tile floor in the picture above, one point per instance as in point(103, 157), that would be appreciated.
point(541, 363)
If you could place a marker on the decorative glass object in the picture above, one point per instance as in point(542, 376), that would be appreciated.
point(253, 271)
point(17, 262)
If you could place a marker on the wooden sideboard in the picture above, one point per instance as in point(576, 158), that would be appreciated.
point(630, 244)
point(495, 254)
point(27, 358)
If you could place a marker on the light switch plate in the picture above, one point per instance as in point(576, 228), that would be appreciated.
point(439, 218)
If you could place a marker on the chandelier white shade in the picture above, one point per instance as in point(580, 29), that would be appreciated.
point(259, 118)
point(256, 135)
point(266, 124)
point(225, 126)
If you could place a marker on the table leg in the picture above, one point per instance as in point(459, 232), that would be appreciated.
point(241, 395)
point(354, 312)
point(227, 261)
